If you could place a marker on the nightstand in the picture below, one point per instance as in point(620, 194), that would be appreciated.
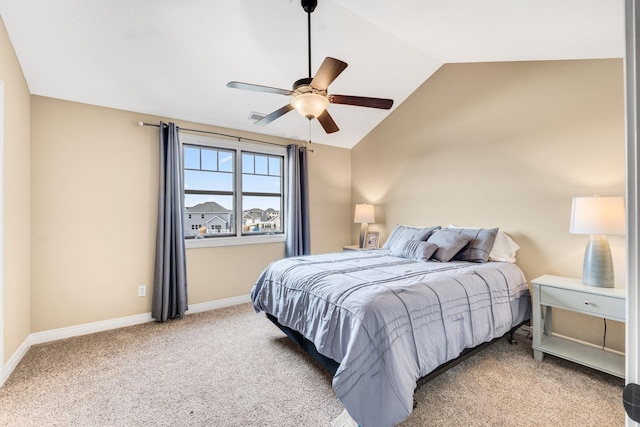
point(571, 294)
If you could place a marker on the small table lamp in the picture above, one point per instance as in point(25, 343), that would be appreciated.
point(364, 215)
point(598, 217)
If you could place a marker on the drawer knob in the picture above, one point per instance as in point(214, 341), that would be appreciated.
point(587, 303)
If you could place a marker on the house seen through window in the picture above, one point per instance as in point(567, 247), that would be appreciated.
point(232, 189)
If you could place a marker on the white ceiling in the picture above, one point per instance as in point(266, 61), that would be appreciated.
point(173, 58)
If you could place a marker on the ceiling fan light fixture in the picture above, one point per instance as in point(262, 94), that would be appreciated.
point(310, 105)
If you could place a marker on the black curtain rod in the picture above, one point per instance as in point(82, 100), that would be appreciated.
point(239, 138)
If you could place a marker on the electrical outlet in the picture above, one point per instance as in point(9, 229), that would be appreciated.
point(142, 290)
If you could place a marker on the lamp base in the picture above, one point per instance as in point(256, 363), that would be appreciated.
point(598, 264)
point(363, 227)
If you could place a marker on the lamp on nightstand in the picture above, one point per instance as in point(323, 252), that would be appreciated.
point(364, 216)
point(598, 217)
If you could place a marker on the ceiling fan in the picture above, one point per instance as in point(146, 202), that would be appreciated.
point(310, 97)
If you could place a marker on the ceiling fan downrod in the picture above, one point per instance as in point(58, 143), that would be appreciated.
point(309, 6)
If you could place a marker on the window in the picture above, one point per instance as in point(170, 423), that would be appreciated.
point(234, 192)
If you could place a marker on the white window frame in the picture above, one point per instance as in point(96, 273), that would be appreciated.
point(238, 147)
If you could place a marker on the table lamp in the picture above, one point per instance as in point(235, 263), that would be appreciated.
point(598, 217)
point(363, 216)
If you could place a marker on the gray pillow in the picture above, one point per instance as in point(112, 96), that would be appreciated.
point(417, 250)
point(401, 234)
point(479, 246)
point(449, 244)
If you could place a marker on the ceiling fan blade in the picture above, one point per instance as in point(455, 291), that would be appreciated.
point(271, 117)
point(258, 88)
point(327, 122)
point(328, 71)
point(361, 101)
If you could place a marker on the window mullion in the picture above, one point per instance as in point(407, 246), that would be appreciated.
point(210, 192)
point(253, 193)
point(238, 191)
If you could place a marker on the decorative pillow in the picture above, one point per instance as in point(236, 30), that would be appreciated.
point(479, 246)
point(401, 234)
point(504, 248)
point(449, 244)
point(418, 250)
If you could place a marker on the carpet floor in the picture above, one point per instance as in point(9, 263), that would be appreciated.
point(232, 367)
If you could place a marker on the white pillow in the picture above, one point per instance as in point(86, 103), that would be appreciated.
point(504, 248)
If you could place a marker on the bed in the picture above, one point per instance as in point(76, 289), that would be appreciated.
point(387, 318)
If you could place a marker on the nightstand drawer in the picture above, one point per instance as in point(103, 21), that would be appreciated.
point(595, 305)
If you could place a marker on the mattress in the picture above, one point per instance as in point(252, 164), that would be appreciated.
point(389, 321)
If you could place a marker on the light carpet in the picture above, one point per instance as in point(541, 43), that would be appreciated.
point(232, 367)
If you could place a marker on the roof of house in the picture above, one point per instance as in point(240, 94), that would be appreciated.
point(207, 207)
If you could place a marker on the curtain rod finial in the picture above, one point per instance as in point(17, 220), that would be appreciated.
point(140, 124)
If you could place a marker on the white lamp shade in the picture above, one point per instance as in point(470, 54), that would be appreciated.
point(310, 105)
point(364, 214)
point(598, 215)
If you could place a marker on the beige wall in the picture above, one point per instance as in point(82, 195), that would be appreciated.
point(94, 187)
point(330, 189)
point(17, 208)
point(508, 145)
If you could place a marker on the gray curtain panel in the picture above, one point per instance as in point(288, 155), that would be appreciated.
point(170, 276)
point(298, 233)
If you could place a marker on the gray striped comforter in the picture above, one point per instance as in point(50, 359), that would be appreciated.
point(389, 321)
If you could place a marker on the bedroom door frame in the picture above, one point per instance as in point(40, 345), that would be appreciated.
point(632, 70)
point(2, 374)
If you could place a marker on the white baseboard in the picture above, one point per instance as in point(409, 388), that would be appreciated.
point(221, 303)
point(104, 325)
point(88, 328)
point(13, 361)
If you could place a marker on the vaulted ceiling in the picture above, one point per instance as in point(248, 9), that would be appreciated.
point(173, 58)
